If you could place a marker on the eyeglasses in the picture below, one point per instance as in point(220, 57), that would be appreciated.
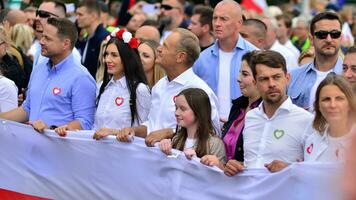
point(334, 34)
point(167, 7)
point(44, 14)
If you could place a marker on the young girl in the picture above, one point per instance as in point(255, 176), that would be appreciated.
point(195, 133)
point(124, 97)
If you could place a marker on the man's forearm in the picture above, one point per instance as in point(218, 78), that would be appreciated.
point(140, 131)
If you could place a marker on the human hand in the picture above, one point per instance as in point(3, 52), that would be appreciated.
point(39, 126)
point(157, 136)
point(210, 160)
point(233, 167)
point(189, 153)
point(125, 135)
point(276, 166)
point(166, 146)
point(61, 130)
point(103, 132)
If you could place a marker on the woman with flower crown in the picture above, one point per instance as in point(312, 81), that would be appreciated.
point(124, 97)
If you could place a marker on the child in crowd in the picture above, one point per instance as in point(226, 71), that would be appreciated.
point(195, 134)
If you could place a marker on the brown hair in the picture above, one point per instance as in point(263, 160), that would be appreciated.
point(199, 102)
point(320, 123)
point(65, 29)
point(269, 58)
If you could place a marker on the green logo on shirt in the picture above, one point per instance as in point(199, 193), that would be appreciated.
point(278, 133)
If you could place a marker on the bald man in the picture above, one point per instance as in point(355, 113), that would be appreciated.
point(15, 17)
point(148, 33)
point(219, 64)
point(254, 31)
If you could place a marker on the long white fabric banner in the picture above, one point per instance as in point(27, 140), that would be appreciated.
point(78, 167)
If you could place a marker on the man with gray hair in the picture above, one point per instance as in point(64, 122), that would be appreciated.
point(219, 64)
point(176, 56)
point(273, 44)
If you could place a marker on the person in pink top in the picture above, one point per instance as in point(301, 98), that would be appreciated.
point(232, 129)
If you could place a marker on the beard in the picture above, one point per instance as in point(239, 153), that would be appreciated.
point(273, 99)
point(328, 52)
point(164, 21)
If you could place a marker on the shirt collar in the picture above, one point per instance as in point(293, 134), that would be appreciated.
point(184, 77)
point(311, 66)
point(240, 44)
point(61, 65)
point(121, 82)
point(286, 105)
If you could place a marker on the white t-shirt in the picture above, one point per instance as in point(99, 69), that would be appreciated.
point(189, 143)
point(291, 60)
point(224, 83)
point(162, 109)
point(8, 94)
point(114, 106)
point(281, 137)
point(320, 76)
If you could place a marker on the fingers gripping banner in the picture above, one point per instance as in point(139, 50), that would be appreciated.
point(78, 167)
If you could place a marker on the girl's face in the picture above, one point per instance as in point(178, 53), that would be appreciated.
point(113, 61)
point(333, 104)
point(184, 114)
point(147, 57)
point(246, 80)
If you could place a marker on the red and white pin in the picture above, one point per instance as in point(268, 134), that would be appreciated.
point(310, 148)
point(56, 91)
point(119, 101)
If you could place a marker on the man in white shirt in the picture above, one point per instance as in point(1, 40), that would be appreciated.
point(273, 44)
point(274, 132)
point(176, 56)
point(284, 33)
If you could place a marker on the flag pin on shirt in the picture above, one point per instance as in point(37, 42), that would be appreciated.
point(56, 91)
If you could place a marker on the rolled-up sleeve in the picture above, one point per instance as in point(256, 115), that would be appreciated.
point(83, 101)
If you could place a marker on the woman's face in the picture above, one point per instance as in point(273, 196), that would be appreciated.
point(147, 57)
point(246, 80)
point(113, 61)
point(333, 104)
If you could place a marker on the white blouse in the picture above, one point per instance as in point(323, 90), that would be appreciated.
point(113, 110)
point(8, 94)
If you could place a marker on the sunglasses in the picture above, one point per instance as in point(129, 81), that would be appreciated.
point(167, 7)
point(334, 34)
point(44, 14)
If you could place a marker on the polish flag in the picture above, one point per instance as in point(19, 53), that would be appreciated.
point(256, 5)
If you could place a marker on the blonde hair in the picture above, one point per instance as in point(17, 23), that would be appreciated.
point(22, 36)
point(101, 69)
point(309, 53)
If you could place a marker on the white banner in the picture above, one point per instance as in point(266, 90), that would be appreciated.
point(78, 167)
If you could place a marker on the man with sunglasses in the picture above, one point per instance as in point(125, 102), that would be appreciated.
point(47, 9)
point(171, 17)
point(325, 32)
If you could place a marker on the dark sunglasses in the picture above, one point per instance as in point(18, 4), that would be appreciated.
point(44, 14)
point(334, 34)
point(167, 7)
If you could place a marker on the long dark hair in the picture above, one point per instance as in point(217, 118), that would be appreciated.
point(199, 102)
point(133, 70)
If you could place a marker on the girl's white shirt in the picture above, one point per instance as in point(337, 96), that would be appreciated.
point(8, 94)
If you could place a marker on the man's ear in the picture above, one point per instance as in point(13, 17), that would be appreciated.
point(66, 44)
point(181, 57)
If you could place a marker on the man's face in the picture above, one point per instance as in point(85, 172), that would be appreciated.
point(51, 44)
point(349, 68)
point(195, 25)
point(249, 33)
point(84, 17)
point(170, 11)
point(271, 83)
point(328, 46)
point(226, 22)
point(166, 53)
point(282, 30)
point(301, 31)
point(49, 10)
point(135, 22)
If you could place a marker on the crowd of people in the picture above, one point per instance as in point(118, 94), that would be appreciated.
point(237, 88)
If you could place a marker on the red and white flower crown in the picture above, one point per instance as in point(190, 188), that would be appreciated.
point(121, 34)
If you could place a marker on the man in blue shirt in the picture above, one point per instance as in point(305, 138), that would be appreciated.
point(61, 91)
point(325, 34)
point(219, 64)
